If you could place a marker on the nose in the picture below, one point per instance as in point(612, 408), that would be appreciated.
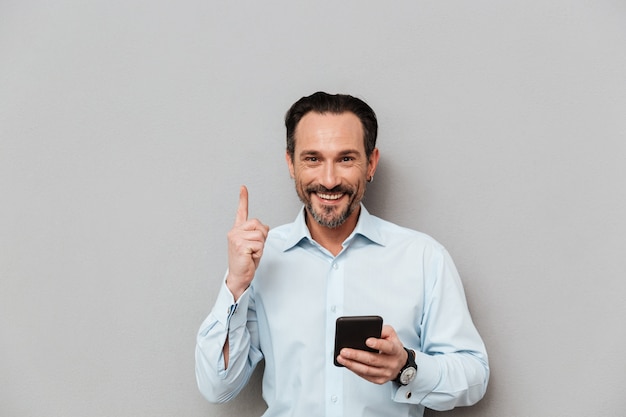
point(330, 178)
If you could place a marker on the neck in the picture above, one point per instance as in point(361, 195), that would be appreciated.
point(332, 238)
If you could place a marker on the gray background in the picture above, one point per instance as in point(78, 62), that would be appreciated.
point(127, 126)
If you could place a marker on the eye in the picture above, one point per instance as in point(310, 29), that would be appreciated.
point(311, 159)
point(347, 159)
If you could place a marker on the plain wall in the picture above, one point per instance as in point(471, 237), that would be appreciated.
point(127, 127)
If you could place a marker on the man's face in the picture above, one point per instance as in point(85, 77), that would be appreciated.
point(330, 167)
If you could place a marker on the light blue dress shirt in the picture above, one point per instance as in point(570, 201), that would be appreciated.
point(287, 317)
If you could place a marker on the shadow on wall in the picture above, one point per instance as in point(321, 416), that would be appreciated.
point(379, 191)
point(392, 194)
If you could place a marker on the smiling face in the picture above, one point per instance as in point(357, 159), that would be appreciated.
point(331, 168)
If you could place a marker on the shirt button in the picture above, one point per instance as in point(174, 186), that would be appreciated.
point(333, 309)
point(334, 398)
point(335, 266)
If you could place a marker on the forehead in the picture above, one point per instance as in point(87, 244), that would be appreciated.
point(329, 131)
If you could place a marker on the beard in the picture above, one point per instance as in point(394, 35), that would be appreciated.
point(327, 215)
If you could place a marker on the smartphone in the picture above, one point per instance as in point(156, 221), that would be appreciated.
point(353, 331)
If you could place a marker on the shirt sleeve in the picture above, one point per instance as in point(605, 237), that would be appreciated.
point(235, 322)
point(452, 362)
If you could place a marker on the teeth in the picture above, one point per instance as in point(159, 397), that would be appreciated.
point(330, 196)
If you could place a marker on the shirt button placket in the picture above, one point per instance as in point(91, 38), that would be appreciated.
point(334, 304)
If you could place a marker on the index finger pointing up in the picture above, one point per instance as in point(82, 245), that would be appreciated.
point(242, 209)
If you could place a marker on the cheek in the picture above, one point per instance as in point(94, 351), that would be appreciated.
point(359, 180)
point(304, 176)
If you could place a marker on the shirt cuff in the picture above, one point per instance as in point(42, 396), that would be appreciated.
point(228, 311)
point(427, 378)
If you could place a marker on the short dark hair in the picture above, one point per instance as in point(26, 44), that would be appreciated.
point(321, 102)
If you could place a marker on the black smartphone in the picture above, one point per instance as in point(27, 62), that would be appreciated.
point(353, 331)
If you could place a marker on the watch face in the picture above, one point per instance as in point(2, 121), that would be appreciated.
point(407, 375)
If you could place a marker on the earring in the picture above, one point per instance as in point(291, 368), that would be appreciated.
point(370, 179)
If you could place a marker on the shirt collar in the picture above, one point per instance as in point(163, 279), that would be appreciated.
point(366, 227)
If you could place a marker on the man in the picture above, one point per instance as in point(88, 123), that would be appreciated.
point(285, 288)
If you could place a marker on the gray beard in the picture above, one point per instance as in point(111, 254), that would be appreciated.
point(332, 222)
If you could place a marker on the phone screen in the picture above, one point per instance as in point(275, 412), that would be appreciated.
point(353, 331)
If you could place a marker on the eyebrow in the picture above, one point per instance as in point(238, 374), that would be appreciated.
point(342, 153)
point(350, 152)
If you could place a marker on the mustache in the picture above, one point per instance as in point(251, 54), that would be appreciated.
point(338, 189)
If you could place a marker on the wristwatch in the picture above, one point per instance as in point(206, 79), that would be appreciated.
point(409, 370)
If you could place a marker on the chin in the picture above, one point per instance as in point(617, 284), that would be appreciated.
point(331, 216)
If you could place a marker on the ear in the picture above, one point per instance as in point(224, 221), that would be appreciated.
point(290, 165)
point(372, 162)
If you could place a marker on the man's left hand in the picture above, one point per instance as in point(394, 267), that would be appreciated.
point(378, 367)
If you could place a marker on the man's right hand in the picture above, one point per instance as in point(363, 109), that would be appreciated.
point(245, 247)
